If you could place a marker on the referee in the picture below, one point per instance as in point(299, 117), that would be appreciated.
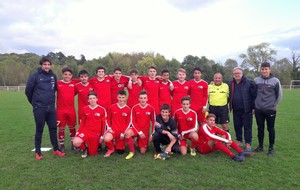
point(218, 100)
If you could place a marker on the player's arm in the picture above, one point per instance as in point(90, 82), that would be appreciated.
point(213, 136)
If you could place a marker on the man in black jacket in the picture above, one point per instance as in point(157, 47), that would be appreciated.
point(242, 95)
point(40, 91)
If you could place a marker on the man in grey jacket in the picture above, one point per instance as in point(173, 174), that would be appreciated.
point(269, 93)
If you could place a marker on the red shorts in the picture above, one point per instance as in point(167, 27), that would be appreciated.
point(66, 118)
point(204, 148)
point(142, 143)
point(92, 141)
point(119, 144)
point(183, 141)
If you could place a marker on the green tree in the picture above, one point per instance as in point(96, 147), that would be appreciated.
point(295, 63)
point(282, 69)
point(256, 55)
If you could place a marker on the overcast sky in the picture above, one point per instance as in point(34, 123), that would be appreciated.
point(217, 29)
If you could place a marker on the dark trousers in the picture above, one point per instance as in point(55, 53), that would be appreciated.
point(159, 138)
point(44, 115)
point(262, 116)
point(243, 120)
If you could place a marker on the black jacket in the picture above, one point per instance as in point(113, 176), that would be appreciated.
point(40, 88)
point(248, 93)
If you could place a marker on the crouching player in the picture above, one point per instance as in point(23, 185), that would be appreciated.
point(118, 117)
point(212, 138)
point(142, 116)
point(92, 125)
point(187, 124)
point(165, 133)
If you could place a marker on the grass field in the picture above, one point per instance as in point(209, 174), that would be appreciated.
point(20, 170)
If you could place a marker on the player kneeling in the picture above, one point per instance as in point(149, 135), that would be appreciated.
point(212, 138)
point(118, 121)
point(91, 127)
point(165, 134)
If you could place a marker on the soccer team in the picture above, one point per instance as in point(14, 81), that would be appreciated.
point(155, 109)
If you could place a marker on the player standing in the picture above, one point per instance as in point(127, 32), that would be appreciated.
point(133, 87)
point(165, 87)
point(118, 82)
point(66, 114)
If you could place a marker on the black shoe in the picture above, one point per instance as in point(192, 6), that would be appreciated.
point(62, 148)
point(270, 152)
point(75, 149)
point(259, 149)
point(84, 153)
point(238, 158)
point(99, 149)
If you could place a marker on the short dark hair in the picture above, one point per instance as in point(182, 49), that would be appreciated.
point(197, 69)
point(122, 92)
point(100, 68)
point(45, 59)
point(118, 69)
point(265, 64)
point(185, 98)
point(165, 71)
point(92, 93)
point(66, 69)
point(83, 72)
point(142, 92)
point(165, 107)
point(134, 71)
point(152, 67)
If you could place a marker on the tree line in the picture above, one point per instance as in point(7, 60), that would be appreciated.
point(15, 68)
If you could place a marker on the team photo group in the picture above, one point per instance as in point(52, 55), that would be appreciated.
point(125, 114)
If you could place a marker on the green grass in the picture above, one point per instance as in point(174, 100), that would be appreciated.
point(20, 170)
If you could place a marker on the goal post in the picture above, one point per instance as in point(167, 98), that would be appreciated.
point(294, 83)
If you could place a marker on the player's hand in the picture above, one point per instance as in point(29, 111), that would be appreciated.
point(101, 139)
point(150, 138)
point(180, 137)
point(171, 136)
point(204, 110)
point(229, 142)
point(142, 135)
point(122, 136)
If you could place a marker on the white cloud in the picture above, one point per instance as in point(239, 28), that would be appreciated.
point(215, 29)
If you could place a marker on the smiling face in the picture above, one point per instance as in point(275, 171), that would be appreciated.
point(143, 98)
point(211, 121)
point(67, 76)
point(46, 66)
point(84, 78)
point(152, 73)
point(186, 105)
point(197, 75)
point(117, 75)
point(181, 76)
point(100, 73)
point(121, 99)
point(165, 114)
point(237, 74)
point(265, 71)
point(92, 99)
point(218, 79)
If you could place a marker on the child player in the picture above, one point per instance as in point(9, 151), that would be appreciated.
point(212, 138)
point(187, 125)
point(118, 119)
point(165, 87)
point(142, 115)
point(83, 88)
point(66, 114)
point(91, 128)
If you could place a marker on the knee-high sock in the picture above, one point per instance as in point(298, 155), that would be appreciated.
point(61, 135)
point(109, 145)
point(193, 143)
point(129, 141)
point(72, 133)
point(220, 146)
point(236, 147)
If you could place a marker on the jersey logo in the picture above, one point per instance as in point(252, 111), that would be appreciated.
point(107, 80)
point(72, 85)
point(186, 87)
point(97, 114)
point(189, 119)
point(120, 85)
point(90, 89)
point(148, 113)
point(124, 114)
point(200, 87)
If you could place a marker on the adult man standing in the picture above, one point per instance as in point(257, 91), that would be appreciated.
point(40, 91)
point(269, 93)
point(242, 95)
point(218, 100)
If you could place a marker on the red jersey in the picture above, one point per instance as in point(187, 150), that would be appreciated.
point(180, 90)
point(65, 96)
point(141, 118)
point(93, 120)
point(133, 94)
point(207, 133)
point(186, 122)
point(118, 118)
point(102, 88)
point(116, 86)
point(82, 91)
point(198, 94)
point(152, 88)
point(164, 93)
